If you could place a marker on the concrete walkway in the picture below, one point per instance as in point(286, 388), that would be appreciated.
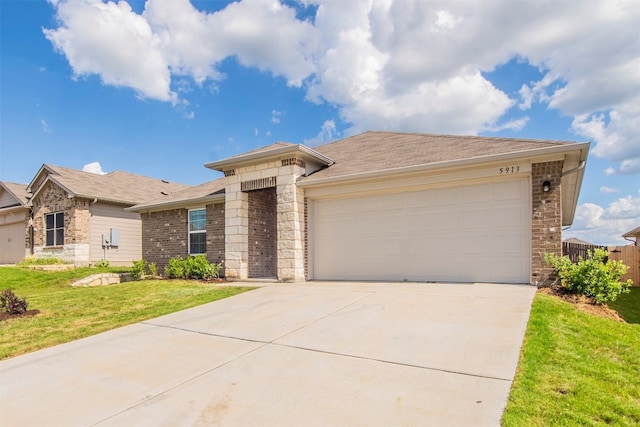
point(314, 354)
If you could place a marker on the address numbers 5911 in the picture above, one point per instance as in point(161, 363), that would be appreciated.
point(509, 170)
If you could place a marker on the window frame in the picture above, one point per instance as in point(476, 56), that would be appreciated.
point(191, 232)
point(55, 229)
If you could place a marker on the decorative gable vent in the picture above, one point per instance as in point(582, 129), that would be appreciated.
point(258, 184)
point(293, 161)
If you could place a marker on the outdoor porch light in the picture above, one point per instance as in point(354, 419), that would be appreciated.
point(546, 186)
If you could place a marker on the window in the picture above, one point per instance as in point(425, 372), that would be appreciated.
point(55, 229)
point(197, 231)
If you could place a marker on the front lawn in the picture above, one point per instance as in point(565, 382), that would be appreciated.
point(577, 369)
point(67, 313)
point(628, 305)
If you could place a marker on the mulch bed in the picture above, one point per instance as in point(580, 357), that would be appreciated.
point(28, 313)
point(583, 303)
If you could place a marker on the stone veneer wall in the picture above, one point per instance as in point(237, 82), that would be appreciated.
point(262, 244)
point(165, 235)
point(290, 218)
point(52, 199)
point(546, 233)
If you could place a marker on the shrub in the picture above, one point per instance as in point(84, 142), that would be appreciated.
point(137, 270)
point(596, 276)
point(11, 303)
point(42, 261)
point(103, 263)
point(195, 267)
point(176, 268)
point(153, 269)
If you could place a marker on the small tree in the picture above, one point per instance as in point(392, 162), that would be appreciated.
point(596, 276)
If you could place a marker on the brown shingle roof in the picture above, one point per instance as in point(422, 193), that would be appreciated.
point(19, 191)
point(207, 191)
point(376, 151)
point(118, 186)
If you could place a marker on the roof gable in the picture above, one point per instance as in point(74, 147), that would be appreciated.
point(13, 194)
point(117, 187)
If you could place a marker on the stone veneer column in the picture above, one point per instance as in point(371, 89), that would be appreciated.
point(236, 215)
point(290, 224)
point(546, 224)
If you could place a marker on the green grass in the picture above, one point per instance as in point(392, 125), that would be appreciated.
point(576, 369)
point(628, 305)
point(67, 313)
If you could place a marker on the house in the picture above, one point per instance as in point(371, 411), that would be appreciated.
point(633, 234)
point(14, 215)
point(187, 222)
point(81, 217)
point(379, 206)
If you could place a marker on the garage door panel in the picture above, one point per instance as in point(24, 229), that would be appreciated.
point(473, 233)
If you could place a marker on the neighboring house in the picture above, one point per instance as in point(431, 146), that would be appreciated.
point(380, 206)
point(14, 216)
point(81, 217)
point(633, 234)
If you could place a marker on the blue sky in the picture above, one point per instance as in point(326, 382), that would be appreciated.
point(161, 87)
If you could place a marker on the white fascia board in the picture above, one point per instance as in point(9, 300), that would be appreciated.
point(248, 159)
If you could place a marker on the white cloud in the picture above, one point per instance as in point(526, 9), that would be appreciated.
point(327, 134)
point(605, 225)
point(406, 65)
point(93, 168)
point(609, 190)
point(45, 126)
point(275, 116)
point(111, 40)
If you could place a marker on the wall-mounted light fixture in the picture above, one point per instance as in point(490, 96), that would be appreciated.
point(546, 186)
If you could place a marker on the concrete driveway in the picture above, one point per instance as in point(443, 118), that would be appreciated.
point(313, 354)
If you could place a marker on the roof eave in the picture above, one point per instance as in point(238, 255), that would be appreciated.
point(238, 161)
point(570, 201)
point(140, 208)
point(10, 209)
point(633, 233)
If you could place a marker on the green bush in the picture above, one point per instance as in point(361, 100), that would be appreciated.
point(11, 303)
point(137, 270)
point(153, 269)
point(176, 268)
point(596, 276)
point(195, 267)
point(103, 263)
point(42, 261)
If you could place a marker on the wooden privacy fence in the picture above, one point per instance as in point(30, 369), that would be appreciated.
point(629, 255)
point(575, 251)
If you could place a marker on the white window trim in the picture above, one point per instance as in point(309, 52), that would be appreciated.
point(189, 232)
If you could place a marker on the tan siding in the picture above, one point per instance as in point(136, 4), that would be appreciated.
point(103, 218)
point(6, 199)
point(13, 217)
point(12, 248)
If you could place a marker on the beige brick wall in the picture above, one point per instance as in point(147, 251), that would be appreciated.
point(546, 224)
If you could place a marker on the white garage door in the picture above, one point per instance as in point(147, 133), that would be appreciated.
point(12, 246)
point(474, 233)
